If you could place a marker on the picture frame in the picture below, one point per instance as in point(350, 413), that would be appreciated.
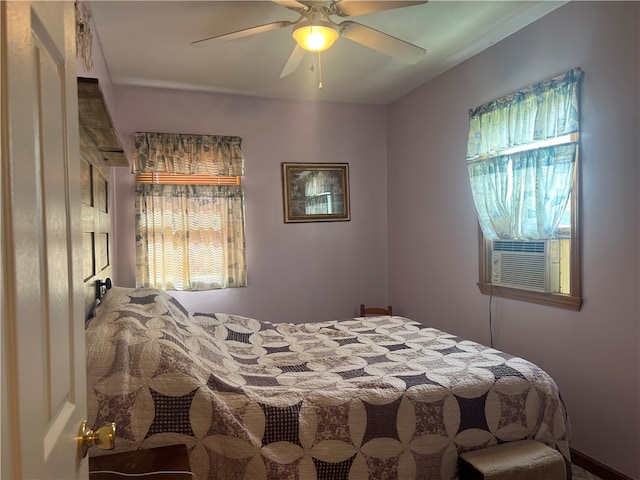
point(315, 192)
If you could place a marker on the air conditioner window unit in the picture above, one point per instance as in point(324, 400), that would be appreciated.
point(531, 266)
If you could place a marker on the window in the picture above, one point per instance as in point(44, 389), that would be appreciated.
point(318, 199)
point(522, 157)
point(189, 212)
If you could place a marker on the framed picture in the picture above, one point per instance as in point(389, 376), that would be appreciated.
point(315, 192)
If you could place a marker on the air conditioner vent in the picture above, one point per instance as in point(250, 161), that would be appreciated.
point(514, 246)
point(523, 271)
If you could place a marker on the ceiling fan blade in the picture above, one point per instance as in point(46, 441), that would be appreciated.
point(294, 61)
point(383, 43)
point(292, 5)
point(246, 32)
point(349, 8)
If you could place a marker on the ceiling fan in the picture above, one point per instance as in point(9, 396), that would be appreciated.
point(315, 31)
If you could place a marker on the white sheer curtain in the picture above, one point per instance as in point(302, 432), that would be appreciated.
point(522, 195)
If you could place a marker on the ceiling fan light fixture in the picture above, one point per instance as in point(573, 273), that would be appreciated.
point(315, 36)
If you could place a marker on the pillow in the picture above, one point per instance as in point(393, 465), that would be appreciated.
point(136, 302)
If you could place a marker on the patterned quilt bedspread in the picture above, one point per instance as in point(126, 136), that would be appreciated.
point(375, 397)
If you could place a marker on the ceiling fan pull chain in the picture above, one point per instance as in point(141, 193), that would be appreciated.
point(319, 72)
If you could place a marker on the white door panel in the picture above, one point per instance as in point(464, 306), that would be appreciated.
point(43, 369)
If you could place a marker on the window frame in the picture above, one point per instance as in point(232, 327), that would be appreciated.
point(571, 301)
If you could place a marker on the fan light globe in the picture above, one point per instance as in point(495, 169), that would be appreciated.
point(315, 37)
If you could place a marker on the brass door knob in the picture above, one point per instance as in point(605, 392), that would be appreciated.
point(104, 437)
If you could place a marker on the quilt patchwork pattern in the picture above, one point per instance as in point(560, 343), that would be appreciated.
point(374, 397)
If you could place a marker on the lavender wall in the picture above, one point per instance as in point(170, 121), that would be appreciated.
point(433, 262)
point(296, 272)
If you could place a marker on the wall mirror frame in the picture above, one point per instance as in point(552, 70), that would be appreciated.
point(315, 192)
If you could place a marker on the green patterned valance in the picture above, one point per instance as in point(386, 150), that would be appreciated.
point(548, 109)
point(188, 154)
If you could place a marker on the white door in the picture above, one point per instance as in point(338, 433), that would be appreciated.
point(43, 356)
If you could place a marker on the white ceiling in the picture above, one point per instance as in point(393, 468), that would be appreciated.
point(148, 43)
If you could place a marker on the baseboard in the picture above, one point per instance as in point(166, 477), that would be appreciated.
point(595, 467)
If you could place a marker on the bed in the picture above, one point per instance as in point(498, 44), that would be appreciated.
point(368, 397)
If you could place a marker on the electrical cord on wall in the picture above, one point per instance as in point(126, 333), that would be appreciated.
point(490, 319)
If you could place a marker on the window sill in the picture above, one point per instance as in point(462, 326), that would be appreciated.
point(550, 299)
